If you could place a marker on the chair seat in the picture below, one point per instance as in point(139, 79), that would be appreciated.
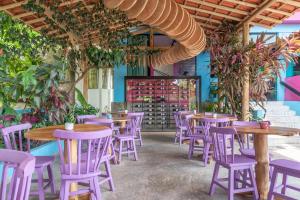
point(124, 136)
point(239, 160)
point(248, 152)
point(286, 164)
point(42, 161)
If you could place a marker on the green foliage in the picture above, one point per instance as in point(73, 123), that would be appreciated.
point(70, 116)
point(81, 98)
point(84, 108)
point(230, 61)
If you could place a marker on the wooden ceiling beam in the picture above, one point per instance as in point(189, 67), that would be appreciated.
point(211, 13)
point(241, 12)
point(12, 5)
point(290, 2)
point(32, 21)
point(243, 3)
point(257, 11)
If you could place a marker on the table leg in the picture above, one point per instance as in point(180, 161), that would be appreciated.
point(262, 166)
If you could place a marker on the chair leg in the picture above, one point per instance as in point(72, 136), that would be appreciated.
point(140, 138)
point(96, 188)
point(214, 179)
point(134, 149)
point(51, 178)
point(231, 185)
point(206, 153)
point(66, 191)
point(40, 178)
point(284, 180)
point(191, 148)
point(272, 186)
point(120, 150)
point(108, 172)
point(62, 189)
point(253, 183)
point(113, 153)
point(180, 138)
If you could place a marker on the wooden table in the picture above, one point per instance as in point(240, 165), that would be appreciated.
point(262, 152)
point(46, 134)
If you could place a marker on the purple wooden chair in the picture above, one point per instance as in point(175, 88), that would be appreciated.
point(128, 138)
point(22, 166)
point(13, 139)
point(92, 147)
point(81, 118)
point(109, 123)
point(193, 135)
point(245, 141)
point(181, 130)
point(202, 132)
point(223, 142)
point(138, 136)
point(286, 168)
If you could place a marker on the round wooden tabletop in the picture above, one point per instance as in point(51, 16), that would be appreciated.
point(273, 130)
point(46, 133)
point(202, 116)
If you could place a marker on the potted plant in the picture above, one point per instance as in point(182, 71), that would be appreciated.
point(69, 120)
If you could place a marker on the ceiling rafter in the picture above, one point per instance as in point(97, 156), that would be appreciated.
point(257, 11)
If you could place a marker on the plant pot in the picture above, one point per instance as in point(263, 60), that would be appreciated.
point(264, 124)
point(195, 112)
point(69, 126)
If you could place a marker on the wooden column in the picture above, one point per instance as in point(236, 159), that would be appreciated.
point(86, 86)
point(246, 85)
point(262, 166)
point(151, 45)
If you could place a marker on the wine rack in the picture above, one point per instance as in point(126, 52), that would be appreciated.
point(158, 97)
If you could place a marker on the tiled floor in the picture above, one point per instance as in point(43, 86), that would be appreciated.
point(163, 171)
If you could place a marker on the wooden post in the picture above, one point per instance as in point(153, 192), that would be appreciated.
point(85, 88)
point(151, 45)
point(262, 166)
point(246, 85)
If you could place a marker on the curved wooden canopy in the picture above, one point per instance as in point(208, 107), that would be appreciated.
point(207, 13)
point(171, 19)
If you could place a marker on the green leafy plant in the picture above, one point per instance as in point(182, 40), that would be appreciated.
point(230, 59)
point(70, 116)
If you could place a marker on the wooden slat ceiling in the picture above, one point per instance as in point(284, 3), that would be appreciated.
point(208, 13)
point(211, 13)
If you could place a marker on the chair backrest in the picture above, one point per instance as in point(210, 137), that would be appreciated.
point(187, 122)
point(132, 123)
point(223, 142)
point(103, 122)
point(13, 137)
point(81, 118)
point(91, 148)
point(245, 140)
point(177, 120)
point(206, 123)
point(22, 165)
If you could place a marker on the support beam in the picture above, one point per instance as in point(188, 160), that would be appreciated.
point(246, 85)
point(261, 8)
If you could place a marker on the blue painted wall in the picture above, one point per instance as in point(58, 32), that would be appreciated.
point(119, 83)
point(203, 70)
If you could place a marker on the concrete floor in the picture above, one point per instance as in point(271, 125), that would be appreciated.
point(163, 172)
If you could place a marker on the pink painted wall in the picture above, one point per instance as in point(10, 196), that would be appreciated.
point(294, 19)
point(295, 83)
